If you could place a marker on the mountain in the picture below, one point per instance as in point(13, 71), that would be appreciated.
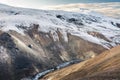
point(32, 41)
point(110, 9)
point(105, 66)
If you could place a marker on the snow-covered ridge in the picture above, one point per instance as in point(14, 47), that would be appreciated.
point(111, 9)
point(78, 24)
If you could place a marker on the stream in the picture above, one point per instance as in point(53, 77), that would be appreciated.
point(60, 66)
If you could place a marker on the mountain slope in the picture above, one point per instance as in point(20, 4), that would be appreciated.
point(106, 66)
point(78, 24)
point(32, 41)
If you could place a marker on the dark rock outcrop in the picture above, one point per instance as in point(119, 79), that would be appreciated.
point(118, 25)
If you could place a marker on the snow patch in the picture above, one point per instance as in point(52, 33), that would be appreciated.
point(3, 55)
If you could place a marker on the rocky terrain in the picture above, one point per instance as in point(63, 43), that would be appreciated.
point(32, 41)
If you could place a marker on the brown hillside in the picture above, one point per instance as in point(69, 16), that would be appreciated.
point(106, 66)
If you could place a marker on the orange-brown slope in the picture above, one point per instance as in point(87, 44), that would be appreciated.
point(106, 66)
